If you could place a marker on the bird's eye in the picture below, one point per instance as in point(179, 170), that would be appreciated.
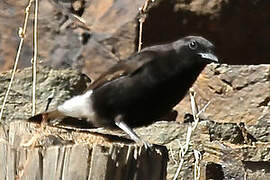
point(193, 45)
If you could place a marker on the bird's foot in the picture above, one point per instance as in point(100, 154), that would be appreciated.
point(146, 144)
point(122, 125)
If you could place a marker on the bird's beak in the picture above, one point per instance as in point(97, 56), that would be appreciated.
point(209, 56)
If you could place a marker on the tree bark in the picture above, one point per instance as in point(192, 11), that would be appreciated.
point(34, 152)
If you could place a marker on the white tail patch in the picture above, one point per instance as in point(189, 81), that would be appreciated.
point(78, 106)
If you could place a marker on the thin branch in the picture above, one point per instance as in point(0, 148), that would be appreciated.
point(141, 21)
point(181, 155)
point(34, 65)
point(190, 130)
point(194, 106)
point(178, 169)
point(198, 157)
point(172, 154)
point(203, 109)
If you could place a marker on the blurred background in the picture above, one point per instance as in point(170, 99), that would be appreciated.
point(239, 29)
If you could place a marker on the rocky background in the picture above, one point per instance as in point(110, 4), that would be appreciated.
point(233, 135)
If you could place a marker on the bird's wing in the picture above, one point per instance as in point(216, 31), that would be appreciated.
point(124, 68)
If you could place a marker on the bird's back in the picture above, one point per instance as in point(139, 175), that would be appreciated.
point(148, 94)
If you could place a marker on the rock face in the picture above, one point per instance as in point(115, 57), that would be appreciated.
point(229, 149)
point(64, 42)
point(61, 84)
point(225, 154)
point(110, 31)
point(231, 24)
point(237, 93)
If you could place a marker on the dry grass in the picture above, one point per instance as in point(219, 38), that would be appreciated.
point(184, 148)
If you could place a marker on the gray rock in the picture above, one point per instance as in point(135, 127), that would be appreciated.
point(237, 94)
point(65, 84)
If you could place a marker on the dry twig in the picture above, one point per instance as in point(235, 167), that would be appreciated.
point(34, 65)
point(184, 148)
point(143, 11)
point(198, 157)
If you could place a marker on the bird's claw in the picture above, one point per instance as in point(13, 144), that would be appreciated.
point(147, 145)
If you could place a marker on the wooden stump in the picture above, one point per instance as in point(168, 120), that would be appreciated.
point(51, 153)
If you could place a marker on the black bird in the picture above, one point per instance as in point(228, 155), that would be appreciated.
point(141, 89)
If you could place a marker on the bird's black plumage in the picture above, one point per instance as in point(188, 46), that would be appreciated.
point(141, 89)
point(160, 79)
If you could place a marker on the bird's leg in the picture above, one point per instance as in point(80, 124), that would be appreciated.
point(122, 125)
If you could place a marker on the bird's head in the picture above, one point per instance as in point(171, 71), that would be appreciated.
point(198, 47)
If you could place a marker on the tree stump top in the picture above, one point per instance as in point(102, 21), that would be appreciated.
point(33, 152)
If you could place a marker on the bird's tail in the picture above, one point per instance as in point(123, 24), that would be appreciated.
point(61, 119)
point(49, 115)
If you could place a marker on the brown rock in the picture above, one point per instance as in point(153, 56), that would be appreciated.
point(113, 25)
point(237, 94)
point(231, 24)
point(64, 42)
point(235, 162)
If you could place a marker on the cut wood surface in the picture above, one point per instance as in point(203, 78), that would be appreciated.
point(34, 152)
